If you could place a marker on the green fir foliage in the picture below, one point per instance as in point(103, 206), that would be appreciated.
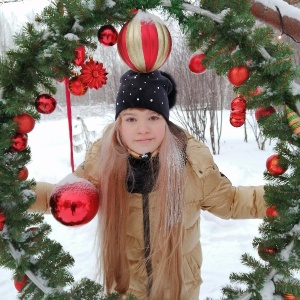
point(226, 32)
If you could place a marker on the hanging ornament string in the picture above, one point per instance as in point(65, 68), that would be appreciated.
point(69, 114)
point(282, 29)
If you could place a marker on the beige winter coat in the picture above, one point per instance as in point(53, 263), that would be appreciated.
point(206, 189)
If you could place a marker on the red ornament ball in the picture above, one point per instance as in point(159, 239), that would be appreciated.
point(23, 174)
point(74, 203)
point(257, 91)
point(79, 55)
point(195, 63)
point(19, 284)
point(238, 75)
point(290, 297)
point(238, 104)
point(19, 142)
point(134, 11)
point(265, 252)
point(45, 104)
point(2, 220)
point(237, 118)
point(144, 43)
point(107, 35)
point(273, 166)
point(264, 112)
point(271, 211)
point(25, 123)
point(77, 87)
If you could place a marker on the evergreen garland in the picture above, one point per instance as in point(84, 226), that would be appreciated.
point(225, 30)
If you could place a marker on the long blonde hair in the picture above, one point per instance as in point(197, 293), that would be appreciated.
point(114, 209)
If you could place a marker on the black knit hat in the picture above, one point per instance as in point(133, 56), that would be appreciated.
point(155, 91)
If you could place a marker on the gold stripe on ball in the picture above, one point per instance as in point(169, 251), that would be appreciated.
point(134, 45)
point(164, 45)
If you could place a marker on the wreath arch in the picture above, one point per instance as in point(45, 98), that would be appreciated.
point(45, 51)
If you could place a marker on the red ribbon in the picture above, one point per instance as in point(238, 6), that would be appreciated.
point(69, 114)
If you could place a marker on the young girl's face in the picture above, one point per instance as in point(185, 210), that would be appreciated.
point(142, 130)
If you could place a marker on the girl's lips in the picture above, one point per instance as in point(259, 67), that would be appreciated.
point(144, 140)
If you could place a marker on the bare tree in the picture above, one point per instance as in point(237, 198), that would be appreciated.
point(200, 96)
point(6, 34)
point(258, 134)
point(218, 94)
point(191, 107)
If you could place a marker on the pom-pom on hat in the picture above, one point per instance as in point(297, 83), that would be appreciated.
point(155, 91)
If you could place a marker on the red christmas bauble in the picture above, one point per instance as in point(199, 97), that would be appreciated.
point(238, 75)
point(265, 252)
point(237, 118)
point(237, 122)
point(195, 63)
point(2, 220)
point(256, 92)
point(264, 112)
point(77, 87)
point(19, 142)
point(45, 104)
point(19, 285)
point(271, 211)
point(107, 35)
point(144, 43)
point(23, 174)
point(74, 203)
point(290, 297)
point(25, 123)
point(273, 166)
point(238, 104)
point(79, 55)
point(134, 11)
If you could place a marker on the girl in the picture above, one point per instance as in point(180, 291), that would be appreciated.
point(153, 179)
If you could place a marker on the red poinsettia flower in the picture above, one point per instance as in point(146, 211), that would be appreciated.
point(93, 74)
point(2, 219)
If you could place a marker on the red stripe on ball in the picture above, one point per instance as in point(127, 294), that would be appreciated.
point(150, 44)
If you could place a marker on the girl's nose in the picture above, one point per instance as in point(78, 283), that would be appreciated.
point(143, 127)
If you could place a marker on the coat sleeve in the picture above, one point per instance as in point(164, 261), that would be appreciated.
point(218, 195)
point(43, 192)
point(87, 170)
point(226, 201)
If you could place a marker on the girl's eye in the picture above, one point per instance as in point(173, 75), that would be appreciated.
point(154, 118)
point(130, 119)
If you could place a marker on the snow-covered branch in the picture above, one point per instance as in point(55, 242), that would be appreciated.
point(279, 14)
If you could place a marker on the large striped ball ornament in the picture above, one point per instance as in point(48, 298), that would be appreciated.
point(144, 43)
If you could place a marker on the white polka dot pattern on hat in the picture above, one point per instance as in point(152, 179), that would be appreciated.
point(141, 90)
